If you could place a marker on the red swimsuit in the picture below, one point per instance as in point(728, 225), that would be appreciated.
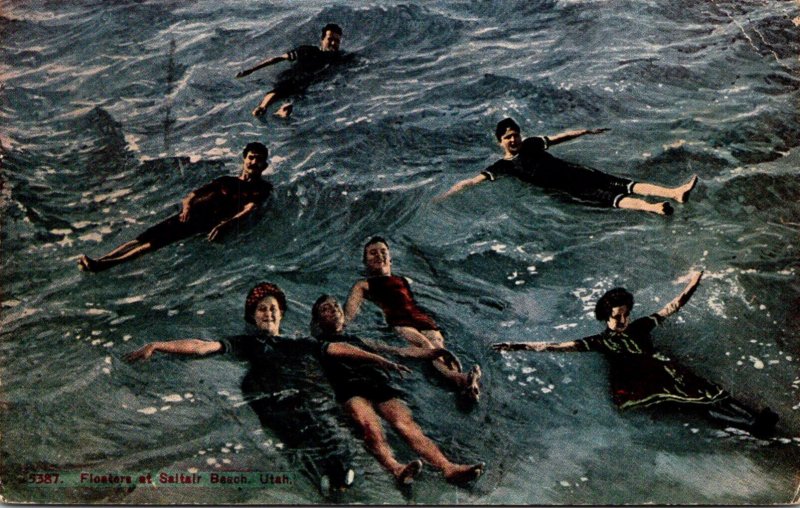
point(393, 295)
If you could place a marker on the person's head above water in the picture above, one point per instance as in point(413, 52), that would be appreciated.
point(256, 148)
point(376, 256)
point(504, 125)
point(327, 316)
point(508, 135)
point(614, 307)
point(254, 160)
point(331, 37)
point(265, 306)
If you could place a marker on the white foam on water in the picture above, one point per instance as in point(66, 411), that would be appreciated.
point(565, 326)
point(130, 299)
point(99, 198)
point(95, 237)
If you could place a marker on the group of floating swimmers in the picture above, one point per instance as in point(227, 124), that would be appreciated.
point(356, 369)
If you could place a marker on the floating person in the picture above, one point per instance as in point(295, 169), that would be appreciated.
point(641, 376)
point(393, 295)
point(310, 61)
point(215, 208)
point(284, 386)
point(529, 161)
point(367, 394)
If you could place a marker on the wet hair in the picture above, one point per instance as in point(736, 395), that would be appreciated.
point(316, 330)
point(331, 27)
point(257, 294)
point(616, 297)
point(503, 125)
point(257, 148)
point(372, 241)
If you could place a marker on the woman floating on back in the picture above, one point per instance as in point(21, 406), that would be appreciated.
point(641, 376)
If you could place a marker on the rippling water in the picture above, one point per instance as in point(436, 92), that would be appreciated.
point(113, 111)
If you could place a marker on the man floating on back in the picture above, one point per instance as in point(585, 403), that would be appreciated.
point(529, 161)
point(214, 208)
point(309, 62)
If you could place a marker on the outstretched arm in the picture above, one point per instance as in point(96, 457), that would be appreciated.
point(421, 353)
point(226, 224)
point(680, 300)
point(568, 346)
point(354, 300)
point(351, 352)
point(463, 184)
point(261, 65)
point(199, 196)
point(195, 347)
point(569, 135)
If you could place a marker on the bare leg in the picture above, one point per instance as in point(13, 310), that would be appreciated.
point(124, 252)
point(268, 99)
point(469, 382)
point(364, 415)
point(662, 208)
point(679, 194)
point(399, 416)
point(433, 339)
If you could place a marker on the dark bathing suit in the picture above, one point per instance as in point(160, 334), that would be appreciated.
point(287, 390)
point(534, 165)
point(642, 377)
point(355, 378)
point(393, 295)
point(310, 61)
point(216, 201)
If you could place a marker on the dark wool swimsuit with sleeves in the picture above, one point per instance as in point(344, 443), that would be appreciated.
point(393, 295)
point(640, 376)
point(355, 378)
point(286, 388)
point(533, 164)
point(309, 62)
point(214, 202)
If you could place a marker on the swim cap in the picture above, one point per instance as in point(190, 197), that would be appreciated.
point(257, 294)
point(616, 297)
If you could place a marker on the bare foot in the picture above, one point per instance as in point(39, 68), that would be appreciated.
point(259, 111)
point(685, 189)
point(463, 473)
point(472, 389)
point(410, 471)
point(285, 110)
point(663, 208)
point(87, 264)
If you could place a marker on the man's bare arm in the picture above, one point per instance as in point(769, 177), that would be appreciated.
point(680, 300)
point(569, 135)
point(228, 223)
point(421, 353)
point(458, 187)
point(568, 346)
point(261, 65)
point(194, 347)
point(345, 350)
point(354, 300)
